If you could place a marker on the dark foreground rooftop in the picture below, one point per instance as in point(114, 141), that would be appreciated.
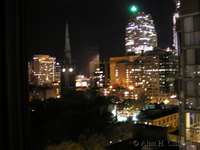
point(135, 144)
point(146, 137)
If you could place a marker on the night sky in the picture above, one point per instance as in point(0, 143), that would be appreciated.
point(93, 24)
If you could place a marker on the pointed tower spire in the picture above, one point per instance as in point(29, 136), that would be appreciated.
point(67, 45)
point(68, 77)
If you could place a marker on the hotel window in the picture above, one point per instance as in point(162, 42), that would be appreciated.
point(190, 88)
point(193, 63)
point(193, 127)
point(197, 29)
point(192, 30)
point(190, 71)
point(190, 57)
point(191, 103)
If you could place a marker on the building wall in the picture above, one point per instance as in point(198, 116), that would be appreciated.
point(160, 73)
point(113, 62)
point(120, 69)
point(155, 72)
point(189, 7)
point(166, 121)
point(189, 81)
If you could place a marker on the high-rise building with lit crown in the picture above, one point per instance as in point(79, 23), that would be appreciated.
point(140, 34)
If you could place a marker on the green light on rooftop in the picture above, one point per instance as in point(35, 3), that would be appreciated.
point(134, 8)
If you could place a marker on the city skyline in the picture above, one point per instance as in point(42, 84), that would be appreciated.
point(92, 25)
point(84, 117)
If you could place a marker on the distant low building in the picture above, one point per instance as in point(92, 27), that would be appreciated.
point(162, 116)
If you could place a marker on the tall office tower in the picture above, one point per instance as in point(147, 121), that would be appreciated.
point(68, 77)
point(140, 34)
point(42, 70)
point(160, 73)
point(189, 94)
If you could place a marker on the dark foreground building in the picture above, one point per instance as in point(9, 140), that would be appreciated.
point(188, 27)
point(146, 137)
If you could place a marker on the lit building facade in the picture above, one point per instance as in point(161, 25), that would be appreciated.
point(170, 120)
point(189, 77)
point(95, 71)
point(82, 81)
point(101, 76)
point(42, 70)
point(159, 74)
point(105, 73)
point(160, 115)
point(154, 73)
point(122, 73)
point(58, 72)
point(119, 70)
point(140, 34)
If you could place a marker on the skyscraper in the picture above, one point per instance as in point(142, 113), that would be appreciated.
point(68, 78)
point(140, 34)
point(189, 94)
point(160, 72)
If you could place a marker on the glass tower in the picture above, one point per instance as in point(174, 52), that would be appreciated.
point(141, 35)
